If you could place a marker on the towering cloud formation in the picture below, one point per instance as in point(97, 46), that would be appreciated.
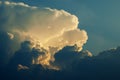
point(48, 30)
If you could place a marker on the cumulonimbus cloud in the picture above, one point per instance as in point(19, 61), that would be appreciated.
point(46, 28)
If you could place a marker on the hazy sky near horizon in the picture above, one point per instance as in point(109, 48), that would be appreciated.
point(100, 18)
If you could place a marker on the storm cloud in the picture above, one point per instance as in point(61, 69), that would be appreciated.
point(82, 66)
point(46, 44)
point(48, 30)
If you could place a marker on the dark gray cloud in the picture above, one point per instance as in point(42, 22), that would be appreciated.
point(68, 55)
point(7, 47)
point(78, 65)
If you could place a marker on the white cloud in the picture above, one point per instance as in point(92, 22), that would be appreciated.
point(45, 27)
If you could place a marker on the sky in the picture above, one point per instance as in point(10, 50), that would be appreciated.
point(59, 40)
point(100, 18)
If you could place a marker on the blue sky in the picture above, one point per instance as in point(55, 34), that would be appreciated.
point(100, 18)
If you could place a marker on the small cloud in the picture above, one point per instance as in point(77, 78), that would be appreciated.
point(86, 53)
point(10, 35)
point(21, 67)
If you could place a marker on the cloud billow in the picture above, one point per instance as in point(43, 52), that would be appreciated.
point(47, 29)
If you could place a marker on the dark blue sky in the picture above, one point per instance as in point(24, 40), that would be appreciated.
point(100, 18)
